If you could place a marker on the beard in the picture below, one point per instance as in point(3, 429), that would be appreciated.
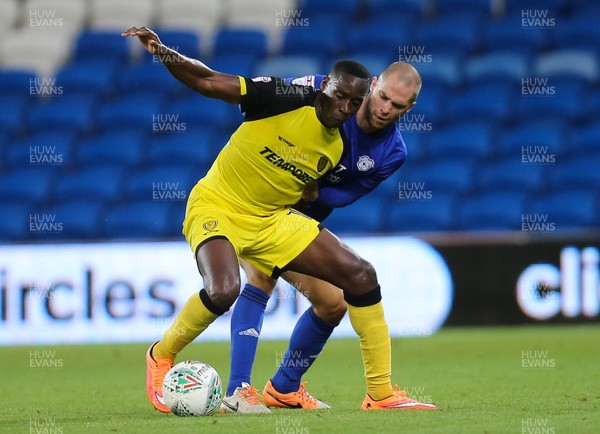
point(369, 112)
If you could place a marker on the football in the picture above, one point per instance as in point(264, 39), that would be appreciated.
point(192, 388)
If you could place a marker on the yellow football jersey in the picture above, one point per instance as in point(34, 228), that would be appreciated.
point(280, 146)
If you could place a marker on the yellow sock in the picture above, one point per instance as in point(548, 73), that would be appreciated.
point(193, 319)
point(374, 336)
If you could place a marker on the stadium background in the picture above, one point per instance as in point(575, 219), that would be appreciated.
point(98, 143)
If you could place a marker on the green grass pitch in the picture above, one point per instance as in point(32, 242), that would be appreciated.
point(543, 379)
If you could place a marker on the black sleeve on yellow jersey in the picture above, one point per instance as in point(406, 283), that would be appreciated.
point(263, 97)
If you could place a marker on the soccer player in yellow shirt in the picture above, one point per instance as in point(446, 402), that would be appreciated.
point(242, 207)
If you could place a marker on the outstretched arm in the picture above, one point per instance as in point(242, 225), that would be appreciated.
point(191, 72)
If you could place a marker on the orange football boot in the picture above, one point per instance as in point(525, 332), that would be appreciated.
point(156, 369)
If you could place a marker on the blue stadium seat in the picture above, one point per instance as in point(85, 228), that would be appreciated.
point(578, 172)
point(235, 117)
point(589, 7)
point(456, 33)
point(96, 77)
point(137, 110)
point(466, 139)
point(413, 10)
point(584, 138)
point(591, 103)
point(161, 184)
point(343, 8)
point(446, 7)
point(142, 219)
point(245, 42)
point(236, 64)
point(28, 184)
point(387, 190)
point(195, 110)
point(101, 45)
point(430, 103)
point(506, 66)
point(580, 32)
point(288, 66)
point(522, 139)
point(554, 7)
point(549, 98)
point(185, 42)
point(567, 208)
point(484, 100)
point(499, 210)
point(414, 139)
point(101, 183)
point(508, 33)
point(382, 37)
point(357, 218)
point(147, 78)
point(435, 214)
point(196, 146)
point(112, 147)
point(3, 141)
point(75, 113)
point(445, 70)
point(176, 218)
point(13, 112)
point(579, 64)
point(14, 224)
point(322, 41)
point(42, 149)
point(79, 220)
point(16, 82)
point(439, 176)
point(508, 173)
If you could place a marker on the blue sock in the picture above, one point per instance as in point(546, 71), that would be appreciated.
point(246, 322)
point(307, 341)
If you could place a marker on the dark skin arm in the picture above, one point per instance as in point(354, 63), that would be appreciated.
point(190, 72)
point(311, 191)
point(310, 194)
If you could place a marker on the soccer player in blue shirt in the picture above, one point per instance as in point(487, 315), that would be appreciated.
point(375, 150)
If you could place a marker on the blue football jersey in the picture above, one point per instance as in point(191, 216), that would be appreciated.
point(368, 160)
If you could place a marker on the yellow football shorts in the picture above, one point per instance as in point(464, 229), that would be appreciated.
point(267, 242)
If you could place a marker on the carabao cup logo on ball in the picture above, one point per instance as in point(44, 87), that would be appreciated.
point(192, 388)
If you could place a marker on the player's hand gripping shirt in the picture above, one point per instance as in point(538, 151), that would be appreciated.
point(278, 148)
